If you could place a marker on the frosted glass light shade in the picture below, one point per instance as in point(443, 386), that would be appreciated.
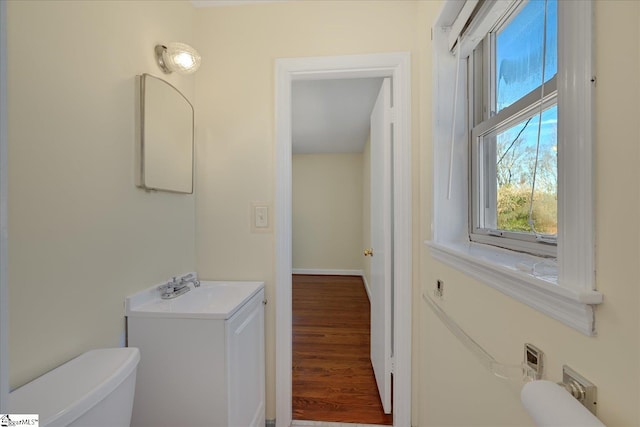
point(178, 57)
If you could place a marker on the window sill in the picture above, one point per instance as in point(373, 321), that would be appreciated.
point(503, 270)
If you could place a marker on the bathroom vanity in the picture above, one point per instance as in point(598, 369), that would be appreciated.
point(202, 356)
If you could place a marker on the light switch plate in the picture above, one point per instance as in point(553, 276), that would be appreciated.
point(261, 217)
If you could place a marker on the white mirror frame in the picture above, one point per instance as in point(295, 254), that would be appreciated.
point(159, 169)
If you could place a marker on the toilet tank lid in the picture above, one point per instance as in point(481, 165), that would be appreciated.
point(68, 391)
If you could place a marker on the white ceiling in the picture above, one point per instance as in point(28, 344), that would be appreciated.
point(332, 116)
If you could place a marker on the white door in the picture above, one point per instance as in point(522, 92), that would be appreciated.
point(381, 243)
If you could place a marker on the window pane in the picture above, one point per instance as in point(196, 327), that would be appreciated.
point(519, 52)
point(515, 159)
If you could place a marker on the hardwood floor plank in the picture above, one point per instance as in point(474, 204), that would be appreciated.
point(332, 374)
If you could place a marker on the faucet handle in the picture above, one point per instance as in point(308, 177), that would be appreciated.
point(187, 277)
point(168, 287)
point(190, 278)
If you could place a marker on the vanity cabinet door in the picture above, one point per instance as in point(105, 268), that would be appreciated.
point(245, 364)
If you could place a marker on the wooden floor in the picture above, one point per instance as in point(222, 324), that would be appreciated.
point(332, 375)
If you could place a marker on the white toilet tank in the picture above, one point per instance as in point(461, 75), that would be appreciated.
point(93, 390)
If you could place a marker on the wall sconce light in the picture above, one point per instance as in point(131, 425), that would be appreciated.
point(178, 57)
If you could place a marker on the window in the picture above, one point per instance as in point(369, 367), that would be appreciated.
point(513, 128)
point(527, 131)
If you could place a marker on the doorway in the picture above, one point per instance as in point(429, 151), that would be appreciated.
point(333, 375)
point(397, 67)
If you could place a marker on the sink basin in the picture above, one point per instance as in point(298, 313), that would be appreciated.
point(211, 300)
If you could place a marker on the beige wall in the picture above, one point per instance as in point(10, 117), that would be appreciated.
point(455, 389)
point(81, 236)
point(235, 112)
point(327, 211)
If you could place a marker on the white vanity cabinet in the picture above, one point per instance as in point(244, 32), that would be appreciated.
point(199, 371)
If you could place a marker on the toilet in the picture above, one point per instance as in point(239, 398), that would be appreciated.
point(95, 389)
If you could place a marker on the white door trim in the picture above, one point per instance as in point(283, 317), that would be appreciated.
point(4, 307)
point(398, 67)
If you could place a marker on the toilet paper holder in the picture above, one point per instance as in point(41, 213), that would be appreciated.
point(580, 388)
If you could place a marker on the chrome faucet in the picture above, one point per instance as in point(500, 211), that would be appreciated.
point(176, 287)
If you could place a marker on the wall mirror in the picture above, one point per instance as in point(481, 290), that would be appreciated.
point(164, 137)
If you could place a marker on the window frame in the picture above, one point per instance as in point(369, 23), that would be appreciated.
point(483, 120)
point(572, 297)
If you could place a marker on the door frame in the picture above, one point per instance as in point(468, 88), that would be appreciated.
point(4, 204)
point(396, 65)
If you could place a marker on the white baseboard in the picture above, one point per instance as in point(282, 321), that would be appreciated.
point(327, 272)
point(366, 286)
